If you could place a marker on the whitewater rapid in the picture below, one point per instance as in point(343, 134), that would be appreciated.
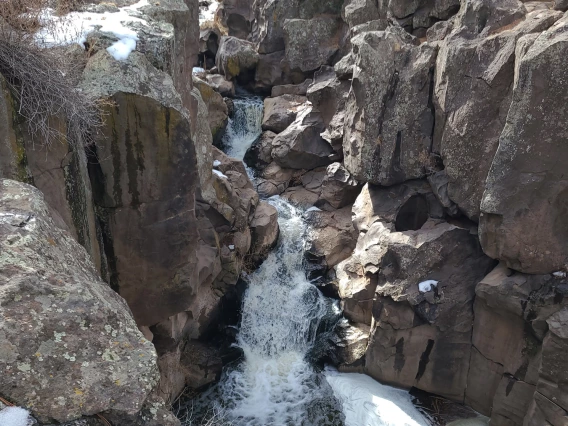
point(284, 322)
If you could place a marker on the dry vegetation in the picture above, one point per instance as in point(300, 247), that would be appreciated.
point(43, 79)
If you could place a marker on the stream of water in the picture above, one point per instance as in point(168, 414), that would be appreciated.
point(284, 321)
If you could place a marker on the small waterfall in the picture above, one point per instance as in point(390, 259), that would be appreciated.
point(245, 126)
point(281, 316)
point(285, 320)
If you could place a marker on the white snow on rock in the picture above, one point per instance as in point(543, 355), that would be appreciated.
point(75, 26)
point(208, 13)
point(216, 163)
point(218, 173)
point(426, 286)
point(367, 402)
point(15, 416)
point(122, 48)
point(559, 274)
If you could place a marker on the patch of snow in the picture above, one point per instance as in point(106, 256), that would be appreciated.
point(559, 274)
point(122, 48)
point(218, 173)
point(75, 26)
point(216, 163)
point(367, 402)
point(15, 416)
point(426, 286)
point(197, 70)
point(231, 247)
point(208, 14)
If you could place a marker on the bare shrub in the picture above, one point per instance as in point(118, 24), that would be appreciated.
point(43, 80)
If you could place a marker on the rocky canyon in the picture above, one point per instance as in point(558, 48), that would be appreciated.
point(279, 203)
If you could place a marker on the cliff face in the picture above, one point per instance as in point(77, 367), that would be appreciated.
point(164, 231)
point(449, 114)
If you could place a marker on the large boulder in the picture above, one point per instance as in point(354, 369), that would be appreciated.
point(332, 237)
point(218, 113)
point(237, 16)
point(338, 188)
point(236, 58)
point(473, 86)
point(526, 184)
point(412, 277)
point(423, 306)
point(224, 87)
point(291, 89)
point(259, 154)
point(52, 302)
point(280, 112)
point(356, 12)
point(328, 95)
point(301, 146)
point(311, 43)
point(147, 172)
point(516, 318)
point(389, 117)
point(264, 231)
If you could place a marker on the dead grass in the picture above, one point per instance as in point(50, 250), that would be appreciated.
point(43, 80)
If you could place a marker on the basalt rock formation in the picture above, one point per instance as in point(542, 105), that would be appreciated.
point(427, 141)
point(162, 216)
point(448, 115)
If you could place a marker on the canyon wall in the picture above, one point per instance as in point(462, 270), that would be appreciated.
point(153, 219)
point(429, 136)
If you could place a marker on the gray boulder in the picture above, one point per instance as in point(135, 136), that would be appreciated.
point(300, 146)
point(473, 86)
point(311, 43)
point(389, 118)
point(236, 58)
point(328, 95)
point(280, 112)
point(291, 89)
point(219, 84)
point(526, 184)
point(218, 113)
point(52, 302)
point(237, 16)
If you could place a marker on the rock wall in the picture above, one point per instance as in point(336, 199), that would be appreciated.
point(445, 120)
point(169, 222)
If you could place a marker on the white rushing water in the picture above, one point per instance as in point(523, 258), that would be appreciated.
point(245, 126)
point(284, 323)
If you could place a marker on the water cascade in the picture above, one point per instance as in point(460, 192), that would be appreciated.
point(284, 321)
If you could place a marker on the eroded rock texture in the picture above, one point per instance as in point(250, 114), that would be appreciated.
point(69, 344)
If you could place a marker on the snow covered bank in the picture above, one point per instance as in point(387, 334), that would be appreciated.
point(75, 26)
point(366, 402)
